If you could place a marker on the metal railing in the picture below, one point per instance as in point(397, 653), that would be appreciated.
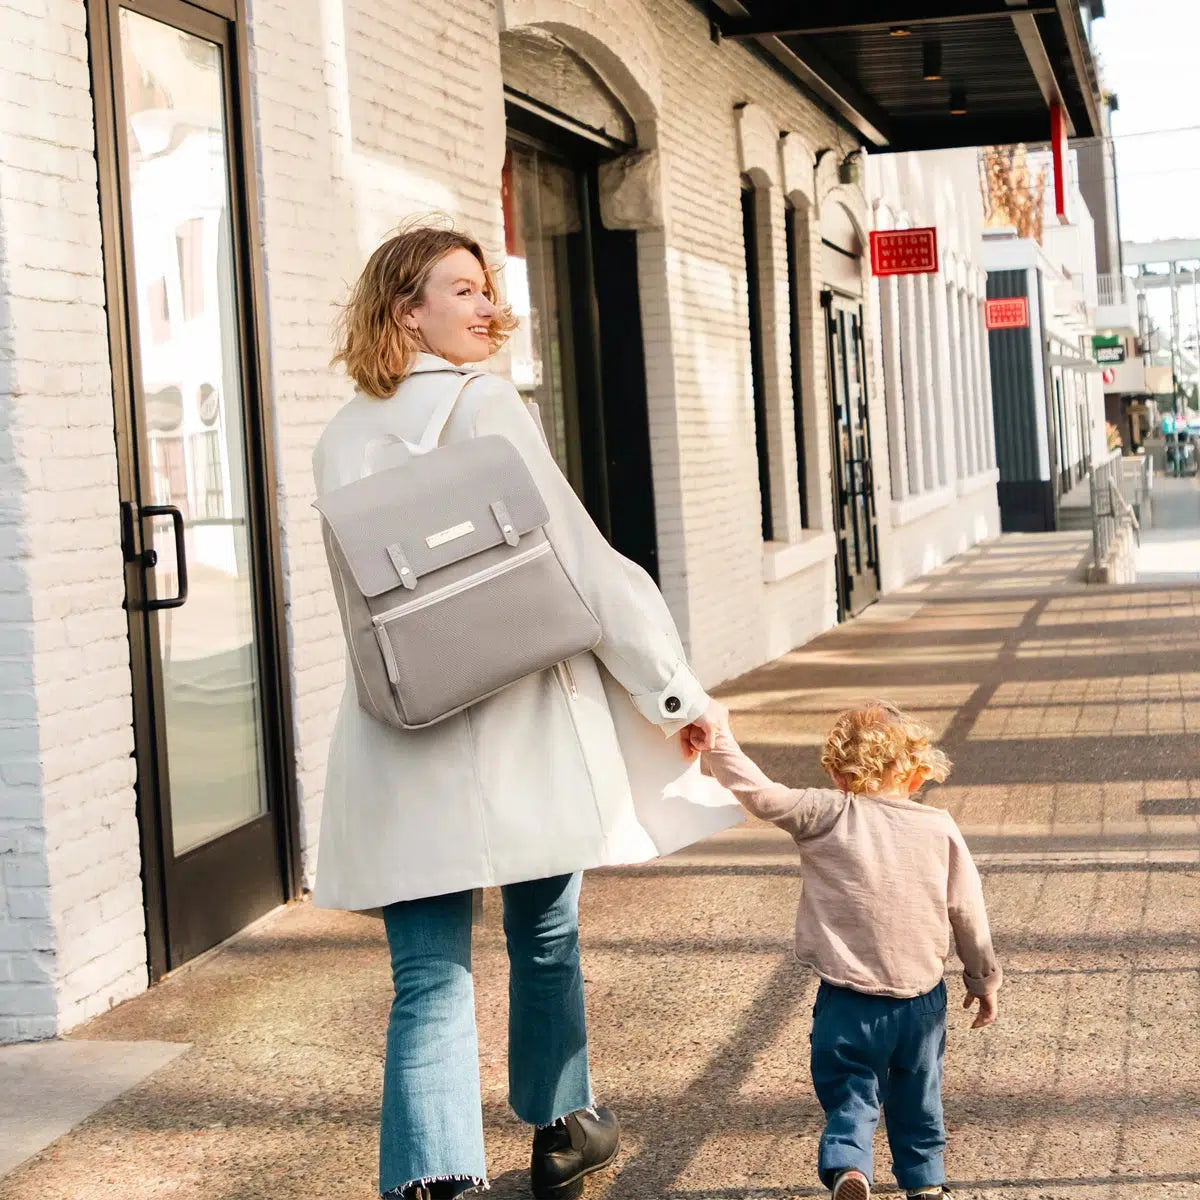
point(1112, 512)
point(1114, 289)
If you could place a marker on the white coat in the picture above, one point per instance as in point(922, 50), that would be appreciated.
point(565, 770)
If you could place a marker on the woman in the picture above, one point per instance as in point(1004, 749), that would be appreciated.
point(525, 790)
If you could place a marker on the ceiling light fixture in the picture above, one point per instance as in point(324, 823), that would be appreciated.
point(958, 102)
point(900, 31)
point(931, 60)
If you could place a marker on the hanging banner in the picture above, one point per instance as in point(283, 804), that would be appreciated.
point(904, 252)
point(1010, 313)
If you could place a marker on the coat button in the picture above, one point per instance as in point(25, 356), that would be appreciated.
point(671, 704)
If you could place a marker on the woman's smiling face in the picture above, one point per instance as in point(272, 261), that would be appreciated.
point(454, 317)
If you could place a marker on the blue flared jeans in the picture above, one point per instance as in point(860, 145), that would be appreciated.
point(871, 1053)
point(432, 1121)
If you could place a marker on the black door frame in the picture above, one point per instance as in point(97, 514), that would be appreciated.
point(610, 365)
point(837, 475)
point(223, 22)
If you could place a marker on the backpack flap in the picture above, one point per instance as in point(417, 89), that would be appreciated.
point(437, 509)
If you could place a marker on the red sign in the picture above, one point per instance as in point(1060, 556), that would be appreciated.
point(1058, 150)
point(1109, 375)
point(1007, 314)
point(904, 252)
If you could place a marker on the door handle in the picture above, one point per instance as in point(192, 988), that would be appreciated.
point(150, 557)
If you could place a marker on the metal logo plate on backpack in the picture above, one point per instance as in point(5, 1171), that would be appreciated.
point(434, 540)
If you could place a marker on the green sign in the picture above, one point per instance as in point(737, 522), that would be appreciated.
point(1108, 349)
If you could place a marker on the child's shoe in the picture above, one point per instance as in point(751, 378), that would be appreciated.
point(939, 1191)
point(851, 1185)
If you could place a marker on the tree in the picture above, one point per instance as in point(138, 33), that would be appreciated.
point(1012, 193)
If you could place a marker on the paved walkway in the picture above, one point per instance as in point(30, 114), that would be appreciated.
point(1072, 715)
point(1170, 551)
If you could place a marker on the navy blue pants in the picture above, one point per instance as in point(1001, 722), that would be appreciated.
point(872, 1053)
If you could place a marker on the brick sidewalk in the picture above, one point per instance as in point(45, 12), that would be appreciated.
point(1072, 715)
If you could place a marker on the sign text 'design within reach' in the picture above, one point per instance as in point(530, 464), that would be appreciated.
point(904, 252)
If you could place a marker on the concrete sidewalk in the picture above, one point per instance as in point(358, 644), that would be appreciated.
point(1170, 550)
point(1072, 714)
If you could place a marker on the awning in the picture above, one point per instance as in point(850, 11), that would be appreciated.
point(932, 74)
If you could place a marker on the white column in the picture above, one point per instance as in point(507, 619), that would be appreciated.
point(924, 364)
point(954, 339)
point(971, 371)
point(983, 407)
point(914, 423)
point(945, 451)
point(893, 385)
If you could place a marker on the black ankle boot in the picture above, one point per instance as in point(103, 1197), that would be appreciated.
point(430, 1191)
point(564, 1154)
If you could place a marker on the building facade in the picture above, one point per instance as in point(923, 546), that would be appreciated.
point(1048, 397)
point(190, 188)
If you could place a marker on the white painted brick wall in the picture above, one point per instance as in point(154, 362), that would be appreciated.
point(389, 110)
point(71, 923)
point(365, 113)
point(394, 109)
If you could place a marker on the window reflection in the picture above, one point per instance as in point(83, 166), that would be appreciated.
point(190, 402)
point(542, 212)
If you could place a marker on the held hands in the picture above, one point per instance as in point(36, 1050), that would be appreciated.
point(988, 1008)
point(703, 732)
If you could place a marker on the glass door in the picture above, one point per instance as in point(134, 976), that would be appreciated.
point(854, 487)
point(194, 502)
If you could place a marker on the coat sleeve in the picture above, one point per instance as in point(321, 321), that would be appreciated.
point(968, 918)
point(641, 654)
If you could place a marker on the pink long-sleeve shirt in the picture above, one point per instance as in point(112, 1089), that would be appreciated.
point(886, 881)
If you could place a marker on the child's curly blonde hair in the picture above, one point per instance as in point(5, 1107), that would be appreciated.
point(876, 746)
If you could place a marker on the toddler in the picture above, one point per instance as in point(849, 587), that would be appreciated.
point(885, 882)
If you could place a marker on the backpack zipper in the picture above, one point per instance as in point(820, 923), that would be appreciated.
point(463, 585)
point(569, 678)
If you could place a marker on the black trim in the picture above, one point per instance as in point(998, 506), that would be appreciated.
point(750, 238)
point(795, 297)
point(1026, 506)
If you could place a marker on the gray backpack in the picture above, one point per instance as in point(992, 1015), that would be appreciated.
point(448, 588)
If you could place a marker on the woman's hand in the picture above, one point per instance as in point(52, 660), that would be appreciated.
point(703, 732)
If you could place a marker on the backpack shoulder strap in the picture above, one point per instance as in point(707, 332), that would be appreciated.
point(441, 414)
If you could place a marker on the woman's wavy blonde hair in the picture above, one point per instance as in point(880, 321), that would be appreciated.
point(373, 343)
point(876, 745)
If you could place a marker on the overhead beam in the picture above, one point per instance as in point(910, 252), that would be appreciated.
point(1030, 38)
point(811, 69)
point(1081, 58)
point(788, 20)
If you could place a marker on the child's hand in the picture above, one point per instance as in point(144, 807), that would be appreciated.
point(988, 1008)
point(685, 740)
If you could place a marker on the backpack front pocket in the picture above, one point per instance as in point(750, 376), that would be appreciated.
point(464, 641)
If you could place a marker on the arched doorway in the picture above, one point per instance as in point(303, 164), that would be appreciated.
point(850, 426)
point(574, 284)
